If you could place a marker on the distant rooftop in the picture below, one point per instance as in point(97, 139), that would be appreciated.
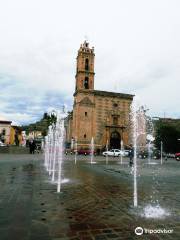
point(106, 93)
point(113, 94)
point(4, 120)
point(169, 119)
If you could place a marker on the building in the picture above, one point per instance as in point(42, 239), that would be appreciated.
point(10, 134)
point(5, 128)
point(34, 134)
point(99, 114)
point(15, 135)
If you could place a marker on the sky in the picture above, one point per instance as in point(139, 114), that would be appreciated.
point(136, 46)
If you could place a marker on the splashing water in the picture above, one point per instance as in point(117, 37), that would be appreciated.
point(54, 149)
point(107, 158)
point(138, 129)
point(76, 151)
point(134, 129)
point(92, 151)
point(155, 212)
point(149, 152)
point(122, 150)
point(161, 152)
point(142, 130)
point(149, 137)
point(60, 153)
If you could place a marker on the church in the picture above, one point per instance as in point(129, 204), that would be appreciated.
point(101, 115)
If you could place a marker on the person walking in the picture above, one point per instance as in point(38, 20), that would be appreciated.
point(32, 146)
point(131, 156)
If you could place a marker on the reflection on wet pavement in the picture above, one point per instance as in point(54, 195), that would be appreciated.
point(96, 202)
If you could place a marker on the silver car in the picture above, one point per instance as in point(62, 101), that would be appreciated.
point(2, 144)
point(113, 153)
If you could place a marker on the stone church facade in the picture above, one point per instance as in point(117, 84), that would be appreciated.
point(99, 114)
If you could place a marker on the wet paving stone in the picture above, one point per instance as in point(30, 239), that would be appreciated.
point(100, 237)
point(95, 204)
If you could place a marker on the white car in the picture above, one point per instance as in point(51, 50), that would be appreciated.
point(126, 153)
point(113, 153)
point(2, 144)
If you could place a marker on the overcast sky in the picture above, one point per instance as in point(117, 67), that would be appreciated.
point(137, 47)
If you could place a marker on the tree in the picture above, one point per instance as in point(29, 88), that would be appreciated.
point(169, 135)
point(41, 125)
point(45, 116)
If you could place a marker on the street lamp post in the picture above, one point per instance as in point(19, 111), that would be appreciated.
point(161, 151)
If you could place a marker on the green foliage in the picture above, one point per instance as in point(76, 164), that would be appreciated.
point(169, 135)
point(41, 125)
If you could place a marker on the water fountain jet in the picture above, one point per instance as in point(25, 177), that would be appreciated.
point(138, 131)
point(107, 151)
point(54, 149)
point(76, 151)
point(92, 151)
point(161, 152)
point(122, 150)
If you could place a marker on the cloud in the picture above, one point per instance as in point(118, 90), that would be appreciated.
point(136, 46)
point(23, 103)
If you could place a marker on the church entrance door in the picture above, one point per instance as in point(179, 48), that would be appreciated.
point(115, 140)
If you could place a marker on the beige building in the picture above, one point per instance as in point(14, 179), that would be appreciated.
point(16, 135)
point(5, 129)
point(99, 114)
point(10, 134)
point(34, 134)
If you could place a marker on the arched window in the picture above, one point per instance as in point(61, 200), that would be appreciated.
point(86, 83)
point(115, 105)
point(115, 140)
point(87, 64)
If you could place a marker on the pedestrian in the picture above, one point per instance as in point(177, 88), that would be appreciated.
point(131, 156)
point(32, 146)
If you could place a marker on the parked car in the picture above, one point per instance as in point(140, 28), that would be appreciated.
point(177, 156)
point(85, 152)
point(126, 153)
point(113, 153)
point(170, 155)
point(142, 154)
point(156, 154)
point(2, 144)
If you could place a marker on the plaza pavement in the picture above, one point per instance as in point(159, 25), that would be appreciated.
point(96, 203)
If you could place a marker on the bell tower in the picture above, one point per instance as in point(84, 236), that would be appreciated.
point(85, 68)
